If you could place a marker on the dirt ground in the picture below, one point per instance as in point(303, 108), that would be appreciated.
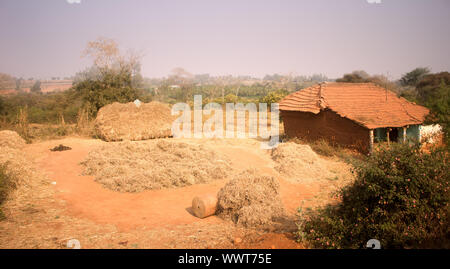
point(61, 204)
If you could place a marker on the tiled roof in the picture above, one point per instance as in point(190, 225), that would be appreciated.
point(364, 103)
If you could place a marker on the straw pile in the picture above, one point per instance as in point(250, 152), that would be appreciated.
point(11, 154)
point(157, 164)
point(117, 122)
point(251, 200)
point(11, 139)
point(299, 162)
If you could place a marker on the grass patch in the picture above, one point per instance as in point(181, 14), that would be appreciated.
point(324, 148)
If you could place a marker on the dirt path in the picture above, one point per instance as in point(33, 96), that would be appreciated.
point(76, 206)
point(86, 198)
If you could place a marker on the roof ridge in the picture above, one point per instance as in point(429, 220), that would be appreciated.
point(402, 104)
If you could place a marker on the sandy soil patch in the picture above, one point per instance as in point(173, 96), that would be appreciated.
point(58, 203)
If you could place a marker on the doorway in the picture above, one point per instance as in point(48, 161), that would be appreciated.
point(393, 135)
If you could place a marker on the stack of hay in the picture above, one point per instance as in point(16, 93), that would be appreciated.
point(12, 155)
point(10, 139)
point(156, 164)
point(299, 163)
point(251, 200)
point(117, 122)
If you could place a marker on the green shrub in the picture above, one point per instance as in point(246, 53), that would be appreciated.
point(400, 197)
point(109, 87)
point(273, 97)
point(6, 184)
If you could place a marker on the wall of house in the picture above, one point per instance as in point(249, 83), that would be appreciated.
point(412, 133)
point(326, 125)
point(430, 132)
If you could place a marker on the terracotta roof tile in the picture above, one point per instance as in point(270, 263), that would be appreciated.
point(364, 103)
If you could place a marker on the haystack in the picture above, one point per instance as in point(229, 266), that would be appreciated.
point(251, 200)
point(12, 155)
point(156, 164)
point(117, 122)
point(11, 139)
point(299, 163)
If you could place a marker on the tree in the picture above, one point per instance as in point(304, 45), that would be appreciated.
point(2, 106)
point(439, 107)
point(7, 81)
point(36, 88)
point(114, 77)
point(428, 86)
point(104, 52)
point(355, 77)
point(19, 84)
point(274, 97)
point(413, 77)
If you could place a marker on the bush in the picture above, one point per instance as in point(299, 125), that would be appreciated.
point(273, 97)
point(6, 184)
point(400, 197)
point(109, 88)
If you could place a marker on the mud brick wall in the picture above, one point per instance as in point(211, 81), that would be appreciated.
point(326, 125)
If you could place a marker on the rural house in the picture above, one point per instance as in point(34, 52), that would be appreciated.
point(351, 114)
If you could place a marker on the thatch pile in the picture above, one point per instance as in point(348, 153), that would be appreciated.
point(11, 155)
point(251, 200)
point(156, 164)
point(299, 162)
point(117, 122)
point(11, 139)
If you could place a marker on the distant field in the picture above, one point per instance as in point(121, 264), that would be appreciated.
point(46, 86)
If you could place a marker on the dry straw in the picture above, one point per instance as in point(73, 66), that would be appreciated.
point(11, 154)
point(251, 200)
point(155, 164)
point(300, 163)
point(117, 122)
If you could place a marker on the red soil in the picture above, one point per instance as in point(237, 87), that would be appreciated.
point(154, 209)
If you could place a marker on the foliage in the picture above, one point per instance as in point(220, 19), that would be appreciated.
point(23, 127)
point(7, 81)
point(413, 77)
point(113, 77)
point(428, 87)
point(3, 109)
point(110, 87)
point(400, 197)
point(273, 97)
point(42, 108)
point(363, 77)
point(355, 77)
point(36, 88)
point(440, 109)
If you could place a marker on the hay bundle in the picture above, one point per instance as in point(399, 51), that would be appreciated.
point(11, 155)
point(11, 139)
point(251, 200)
point(138, 166)
point(117, 122)
point(299, 162)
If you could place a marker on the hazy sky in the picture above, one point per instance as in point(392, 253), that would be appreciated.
point(43, 38)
